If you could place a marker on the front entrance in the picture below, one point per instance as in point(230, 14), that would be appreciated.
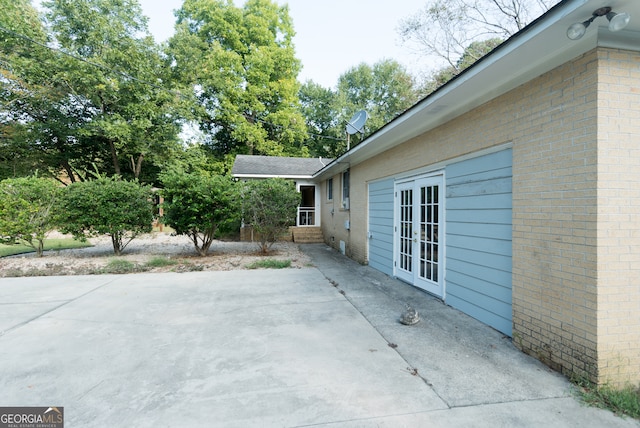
point(418, 233)
point(307, 208)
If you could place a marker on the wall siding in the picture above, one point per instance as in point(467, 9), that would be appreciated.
point(478, 254)
point(381, 226)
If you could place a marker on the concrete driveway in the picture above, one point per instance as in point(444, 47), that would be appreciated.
point(319, 346)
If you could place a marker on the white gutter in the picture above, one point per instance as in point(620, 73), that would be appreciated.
point(290, 177)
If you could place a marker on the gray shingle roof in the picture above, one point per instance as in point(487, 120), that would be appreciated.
point(272, 166)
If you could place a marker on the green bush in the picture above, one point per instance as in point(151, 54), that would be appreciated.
point(106, 206)
point(26, 211)
point(270, 207)
point(198, 206)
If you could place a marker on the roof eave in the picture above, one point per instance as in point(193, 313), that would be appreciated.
point(265, 176)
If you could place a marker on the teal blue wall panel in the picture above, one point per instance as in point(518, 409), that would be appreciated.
point(494, 216)
point(381, 226)
point(478, 238)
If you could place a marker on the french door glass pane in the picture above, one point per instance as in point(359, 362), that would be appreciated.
point(406, 230)
point(429, 233)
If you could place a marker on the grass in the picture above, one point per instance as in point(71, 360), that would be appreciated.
point(624, 401)
point(270, 264)
point(49, 244)
point(120, 266)
point(160, 261)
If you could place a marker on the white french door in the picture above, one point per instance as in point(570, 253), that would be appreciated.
point(418, 230)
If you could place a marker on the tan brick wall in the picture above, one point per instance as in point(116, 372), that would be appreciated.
point(576, 304)
point(618, 230)
point(555, 219)
point(334, 217)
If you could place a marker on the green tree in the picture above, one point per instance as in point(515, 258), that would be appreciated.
point(270, 207)
point(318, 108)
point(383, 90)
point(18, 16)
point(240, 63)
point(198, 205)
point(98, 99)
point(23, 86)
point(26, 210)
point(118, 208)
point(120, 80)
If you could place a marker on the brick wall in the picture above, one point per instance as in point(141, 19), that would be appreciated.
point(555, 220)
point(334, 217)
point(618, 231)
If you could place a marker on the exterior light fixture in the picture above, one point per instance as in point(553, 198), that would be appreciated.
point(617, 21)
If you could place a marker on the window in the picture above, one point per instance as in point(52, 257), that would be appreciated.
point(345, 190)
point(330, 189)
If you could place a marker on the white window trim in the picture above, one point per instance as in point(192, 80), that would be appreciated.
point(345, 189)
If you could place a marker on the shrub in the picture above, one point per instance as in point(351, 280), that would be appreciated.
point(26, 211)
point(118, 208)
point(198, 206)
point(270, 207)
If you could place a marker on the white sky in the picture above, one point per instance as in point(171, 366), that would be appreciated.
point(331, 35)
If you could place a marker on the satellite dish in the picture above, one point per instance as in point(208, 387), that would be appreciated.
point(356, 124)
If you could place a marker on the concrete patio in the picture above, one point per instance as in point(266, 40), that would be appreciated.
point(320, 346)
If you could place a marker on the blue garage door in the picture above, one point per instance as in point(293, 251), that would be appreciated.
point(478, 241)
point(381, 226)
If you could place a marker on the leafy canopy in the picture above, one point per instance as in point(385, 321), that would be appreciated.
point(383, 90)
point(89, 90)
point(240, 64)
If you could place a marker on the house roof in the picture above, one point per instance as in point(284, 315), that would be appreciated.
point(538, 48)
point(247, 166)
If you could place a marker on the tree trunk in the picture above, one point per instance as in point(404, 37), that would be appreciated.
point(203, 243)
point(39, 247)
point(137, 166)
point(114, 156)
point(69, 171)
point(116, 240)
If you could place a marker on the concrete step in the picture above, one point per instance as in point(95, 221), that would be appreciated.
point(307, 235)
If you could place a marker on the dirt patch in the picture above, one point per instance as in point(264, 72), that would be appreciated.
point(155, 252)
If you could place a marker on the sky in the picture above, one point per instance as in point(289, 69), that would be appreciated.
point(332, 36)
